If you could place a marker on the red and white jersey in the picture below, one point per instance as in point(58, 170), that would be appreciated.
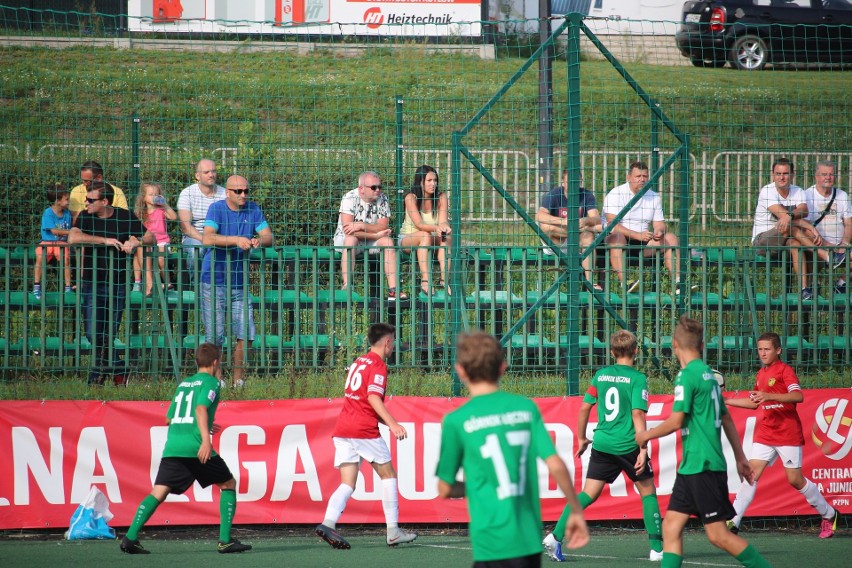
point(367, 376)
point(779, 423)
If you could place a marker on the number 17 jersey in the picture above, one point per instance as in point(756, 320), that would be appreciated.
point(496, 438)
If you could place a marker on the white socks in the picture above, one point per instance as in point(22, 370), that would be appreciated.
point(816, 500)
point(390, 502)
point(336, 504)
point(809, 491)
point(743, 499)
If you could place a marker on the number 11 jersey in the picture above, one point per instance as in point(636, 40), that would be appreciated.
point(184, 438)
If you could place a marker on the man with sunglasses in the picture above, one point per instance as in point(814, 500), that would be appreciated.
point(111, 236)
point(364, 224)
point(91, 171)
point(232, 228)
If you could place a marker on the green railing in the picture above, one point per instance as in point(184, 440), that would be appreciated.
point(304, 320)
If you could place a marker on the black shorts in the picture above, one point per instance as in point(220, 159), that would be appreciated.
point(632, 250)
point(607, 467)
point(531, 561)
point(178, 474)
point(704, 495)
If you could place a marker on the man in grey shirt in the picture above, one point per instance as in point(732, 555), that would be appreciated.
point(192, 206)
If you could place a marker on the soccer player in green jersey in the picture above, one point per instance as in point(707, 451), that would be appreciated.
point(496, 437)
point(188, 455)
point(701, 485)
point(623, 393)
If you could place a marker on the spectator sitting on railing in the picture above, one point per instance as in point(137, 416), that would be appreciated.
point(153, 210)
point(363, 224)
point(105, 273)
point(91, 171)
point(192, 205)
point(552, 217)
point(426, 225)
point(55, 226)
point(830, 212)
point(781, 206)
point(233, 227)
point(632, 231)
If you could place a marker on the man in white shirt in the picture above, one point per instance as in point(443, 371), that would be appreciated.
point(192, 206)
point(363, 224)
point(780, 220)
point(830, 212)
point(642, 228)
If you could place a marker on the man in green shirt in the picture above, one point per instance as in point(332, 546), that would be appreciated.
point(188, 455)
point(701, 486)
point(496, 438)
point(623, 393)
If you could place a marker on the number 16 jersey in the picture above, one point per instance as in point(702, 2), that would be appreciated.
point(368, 375)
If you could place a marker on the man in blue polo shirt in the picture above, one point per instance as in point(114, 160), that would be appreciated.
point(552, 217)
point(233, 227)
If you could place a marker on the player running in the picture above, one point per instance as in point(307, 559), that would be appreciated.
point(624, 393)
point(778, 433)
point(188, 455)
point(701, 485)
point(356, 437)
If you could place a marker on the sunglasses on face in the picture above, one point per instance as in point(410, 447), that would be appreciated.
point(239, 191)
point(93, 199)
point(374, 187)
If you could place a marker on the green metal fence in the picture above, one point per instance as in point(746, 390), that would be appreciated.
point(302, 126)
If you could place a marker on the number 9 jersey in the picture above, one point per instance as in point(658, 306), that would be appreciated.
point(184, 438)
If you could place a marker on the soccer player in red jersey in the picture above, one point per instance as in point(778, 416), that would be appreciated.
point(356, 437)
point(778, 433)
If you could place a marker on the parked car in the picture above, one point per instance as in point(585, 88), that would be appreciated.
point(748, 34)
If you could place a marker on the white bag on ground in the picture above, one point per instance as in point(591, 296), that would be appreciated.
point(90, 519)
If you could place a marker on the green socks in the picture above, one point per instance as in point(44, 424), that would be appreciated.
point(653, 521)
point(146, 508)
point(671, 560)
point(227, 509)
point(559, 529)
point(751, 558)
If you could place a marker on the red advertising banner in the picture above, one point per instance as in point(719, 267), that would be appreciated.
point(281, 453)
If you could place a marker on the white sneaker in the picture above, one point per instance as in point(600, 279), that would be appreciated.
point(553, 548)
point(400, 536)
point(656, 556)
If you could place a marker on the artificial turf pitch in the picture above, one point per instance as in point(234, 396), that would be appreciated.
point(296, 548)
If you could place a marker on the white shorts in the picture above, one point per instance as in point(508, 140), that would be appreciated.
point(353, 450)
point(369, 246)
point(791, 456)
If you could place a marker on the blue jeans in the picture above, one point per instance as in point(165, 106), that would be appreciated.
point(194, 254)
point(103, 308)
point(214, 306)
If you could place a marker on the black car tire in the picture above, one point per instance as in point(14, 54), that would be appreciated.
point(708, 63)
point(749, 53)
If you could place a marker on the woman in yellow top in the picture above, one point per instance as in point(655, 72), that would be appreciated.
point(426, 225)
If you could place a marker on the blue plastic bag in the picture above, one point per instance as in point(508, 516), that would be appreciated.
point(90, 519)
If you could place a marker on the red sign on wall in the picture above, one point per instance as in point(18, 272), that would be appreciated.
point(281, 454)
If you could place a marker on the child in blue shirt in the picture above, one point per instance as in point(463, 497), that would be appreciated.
point(55, 226)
